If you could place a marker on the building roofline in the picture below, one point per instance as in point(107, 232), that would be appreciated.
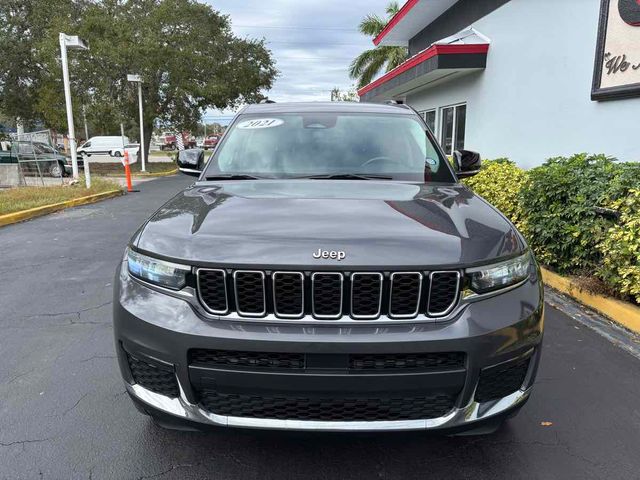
point(436, 49)
point(404, 10)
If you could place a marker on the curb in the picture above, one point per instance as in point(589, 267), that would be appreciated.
point(23, 215)
point(141, 175)
point(623, 313)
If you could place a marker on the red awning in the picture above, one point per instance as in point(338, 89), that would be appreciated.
point(458, 56)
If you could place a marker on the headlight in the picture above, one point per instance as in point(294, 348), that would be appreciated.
point(165, 274)
point(499, 275)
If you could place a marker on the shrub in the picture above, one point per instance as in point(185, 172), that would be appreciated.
point(499, 182)
point(558, 202)
point(621, 248)
point(627, 178)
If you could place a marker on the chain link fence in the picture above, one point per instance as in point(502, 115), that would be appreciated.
point(34, 160)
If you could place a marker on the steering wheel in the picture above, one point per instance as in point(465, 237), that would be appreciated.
point(381, 159)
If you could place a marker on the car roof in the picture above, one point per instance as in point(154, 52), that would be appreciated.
point(329, 107)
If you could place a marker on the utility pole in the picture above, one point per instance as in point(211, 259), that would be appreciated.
point(86, 128)
point(72, 42)
point(138, 79)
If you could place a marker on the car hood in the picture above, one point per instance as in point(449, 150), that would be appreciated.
point(283, 223)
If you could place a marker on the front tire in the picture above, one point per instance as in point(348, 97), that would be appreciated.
point(117, 154)
point(56, 170)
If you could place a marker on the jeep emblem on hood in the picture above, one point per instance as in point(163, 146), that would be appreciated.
point(333, 254)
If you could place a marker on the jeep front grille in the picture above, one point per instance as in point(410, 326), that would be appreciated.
point(328, 295)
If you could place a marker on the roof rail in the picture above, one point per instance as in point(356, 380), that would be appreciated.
point(394, 103)
point(266, 100)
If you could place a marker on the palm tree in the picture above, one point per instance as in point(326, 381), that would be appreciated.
point(368, 64)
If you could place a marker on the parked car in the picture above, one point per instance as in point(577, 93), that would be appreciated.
point(170, 139)
point(102, 145)
point(132, 148)
point(36, 158)
point(327, 271)
point(211, 141)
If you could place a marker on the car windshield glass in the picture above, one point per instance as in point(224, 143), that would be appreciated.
point(394, 146)
point(42, 148)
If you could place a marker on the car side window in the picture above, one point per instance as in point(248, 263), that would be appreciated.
point(25, 148)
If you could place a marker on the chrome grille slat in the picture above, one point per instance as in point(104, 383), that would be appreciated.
point(248, 298)
point(441, 297)
point(295, 295)
point(404, 287)
point(288, 294)
point(366, 295)
point(214, 299)
point(318, 277)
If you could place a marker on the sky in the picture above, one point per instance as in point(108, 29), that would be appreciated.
point(312, 41)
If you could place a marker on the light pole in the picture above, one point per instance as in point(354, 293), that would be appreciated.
point(138, 79)
point(72, 42)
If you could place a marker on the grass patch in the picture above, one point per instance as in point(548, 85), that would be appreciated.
point(23, 198)
point(117, 168)
point(162, 153)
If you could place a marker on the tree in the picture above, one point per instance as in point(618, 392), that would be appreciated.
point(23, 28)
point(338, 95)
point(185, 52)
point(369, 63)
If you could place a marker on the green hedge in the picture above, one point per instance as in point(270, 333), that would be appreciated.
point(620, 248)
point(556, 205)
point(500, 182)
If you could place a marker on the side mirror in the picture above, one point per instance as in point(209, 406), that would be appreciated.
point(190, 161)
point(467, 163)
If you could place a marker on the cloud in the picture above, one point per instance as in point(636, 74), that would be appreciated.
point(312, 41)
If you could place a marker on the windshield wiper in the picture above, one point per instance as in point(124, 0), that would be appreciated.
point(346, 176)
point(233, 176)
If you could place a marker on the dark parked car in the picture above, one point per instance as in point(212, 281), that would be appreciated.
point(327, 271)
point(36, 158)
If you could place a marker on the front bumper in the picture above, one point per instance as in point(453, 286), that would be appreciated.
point(459, 419)
point(162, 330)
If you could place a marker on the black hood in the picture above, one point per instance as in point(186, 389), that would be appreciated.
point(282, 223)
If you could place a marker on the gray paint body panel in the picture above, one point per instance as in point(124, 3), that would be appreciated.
point(281, 223)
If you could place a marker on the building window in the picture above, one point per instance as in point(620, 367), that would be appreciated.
point(452, 128)
point(430, 119)
point(429, 116)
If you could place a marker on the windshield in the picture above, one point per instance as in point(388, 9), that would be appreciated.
point(43, 148)
point(395, 147)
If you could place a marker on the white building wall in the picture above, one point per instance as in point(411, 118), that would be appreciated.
point(533, 100)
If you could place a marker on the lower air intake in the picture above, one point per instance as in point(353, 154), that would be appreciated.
point(328, 409)
point(157, 378)
point(501, 380)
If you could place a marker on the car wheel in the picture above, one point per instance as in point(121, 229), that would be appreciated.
point(117, 154)
point(56, 170)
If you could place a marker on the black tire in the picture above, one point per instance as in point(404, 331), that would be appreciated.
point(117, 154)
point(56, 170)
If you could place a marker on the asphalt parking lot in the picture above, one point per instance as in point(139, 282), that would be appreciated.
point(64, 412)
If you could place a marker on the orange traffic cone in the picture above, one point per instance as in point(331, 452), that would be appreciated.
point(127, 171)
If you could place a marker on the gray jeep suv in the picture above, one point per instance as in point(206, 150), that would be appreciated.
point(327, 271)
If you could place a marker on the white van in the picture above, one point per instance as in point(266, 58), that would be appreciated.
point(103, 146)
